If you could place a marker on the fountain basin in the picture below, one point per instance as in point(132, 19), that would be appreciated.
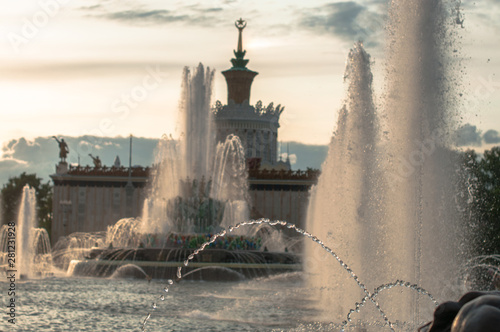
point(210, 265)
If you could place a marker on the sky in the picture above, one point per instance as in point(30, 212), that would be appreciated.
point(73, 67)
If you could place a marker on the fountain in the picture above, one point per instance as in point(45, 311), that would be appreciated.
point(75, 247)
point(195, 180)
point(33, 252)
point(384, 203)
point(385, 199)
point(196, 189)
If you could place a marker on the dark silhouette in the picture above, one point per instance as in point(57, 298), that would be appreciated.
point(96, 160)
point(63, 149)
point(474, 312)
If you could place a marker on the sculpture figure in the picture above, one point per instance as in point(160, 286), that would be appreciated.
point(96, 160)
point(63, 149)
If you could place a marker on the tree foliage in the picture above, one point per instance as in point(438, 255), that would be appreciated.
point(483, 187)
point(11, 197)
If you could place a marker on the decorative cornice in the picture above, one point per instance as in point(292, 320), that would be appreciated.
point(137, 172)
point(247, 112)
point(309, 175)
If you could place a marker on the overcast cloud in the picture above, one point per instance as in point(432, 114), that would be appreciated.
point(491, 137)
point(349, 20)
point(134, 14)
point(469, 135)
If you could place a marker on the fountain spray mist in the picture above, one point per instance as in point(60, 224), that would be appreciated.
point(420, 164)
point(197, 122)
point(197, 187)
point(34, 252)
point(386, 202)
point(229, 181)
point(189, 158)
point(26, 222)
point(345, 201)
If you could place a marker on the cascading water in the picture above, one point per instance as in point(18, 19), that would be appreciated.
point(195, 186)
point(386, 202)
point(32, 244)
point(76, 246)
point(196, 115)
point(345, 203)
point(421, 166)
point(180, 162)
point(229, 181)
point(26, 221)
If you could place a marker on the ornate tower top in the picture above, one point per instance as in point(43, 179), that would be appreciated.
point(239, 62)
point(256, 126)
point(239, 78)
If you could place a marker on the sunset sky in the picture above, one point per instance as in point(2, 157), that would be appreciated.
point(65, 65)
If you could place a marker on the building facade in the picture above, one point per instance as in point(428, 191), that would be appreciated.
point(89, 199)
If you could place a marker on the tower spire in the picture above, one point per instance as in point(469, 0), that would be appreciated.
point(239, 78)
point(240, 25)
point(239, 62)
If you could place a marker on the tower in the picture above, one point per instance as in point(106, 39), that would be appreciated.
point(256, 126)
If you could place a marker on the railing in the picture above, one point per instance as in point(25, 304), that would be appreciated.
point(264, 174)
point(259, 174)
point(109, 171)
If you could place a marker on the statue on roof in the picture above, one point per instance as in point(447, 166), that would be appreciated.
point(63, 149)
point(96, 160)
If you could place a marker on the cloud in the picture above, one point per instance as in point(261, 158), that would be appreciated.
point(157, 16)
point(348, 20)
point(483, 12)
point(7, 165)
point(303, 156)
point(293, 157)
point(21, 149)
point(193, 15)
point(491, 137)
point(468, 135)
point(42, 154)
point(92, 7)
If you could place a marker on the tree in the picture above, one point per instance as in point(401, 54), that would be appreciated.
point(489, 199)
point(482, 185)
point(469, 195)
point(11, 197)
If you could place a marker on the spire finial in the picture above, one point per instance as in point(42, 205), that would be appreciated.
point(240, 62)
point(239, 78)
point(240, 25)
